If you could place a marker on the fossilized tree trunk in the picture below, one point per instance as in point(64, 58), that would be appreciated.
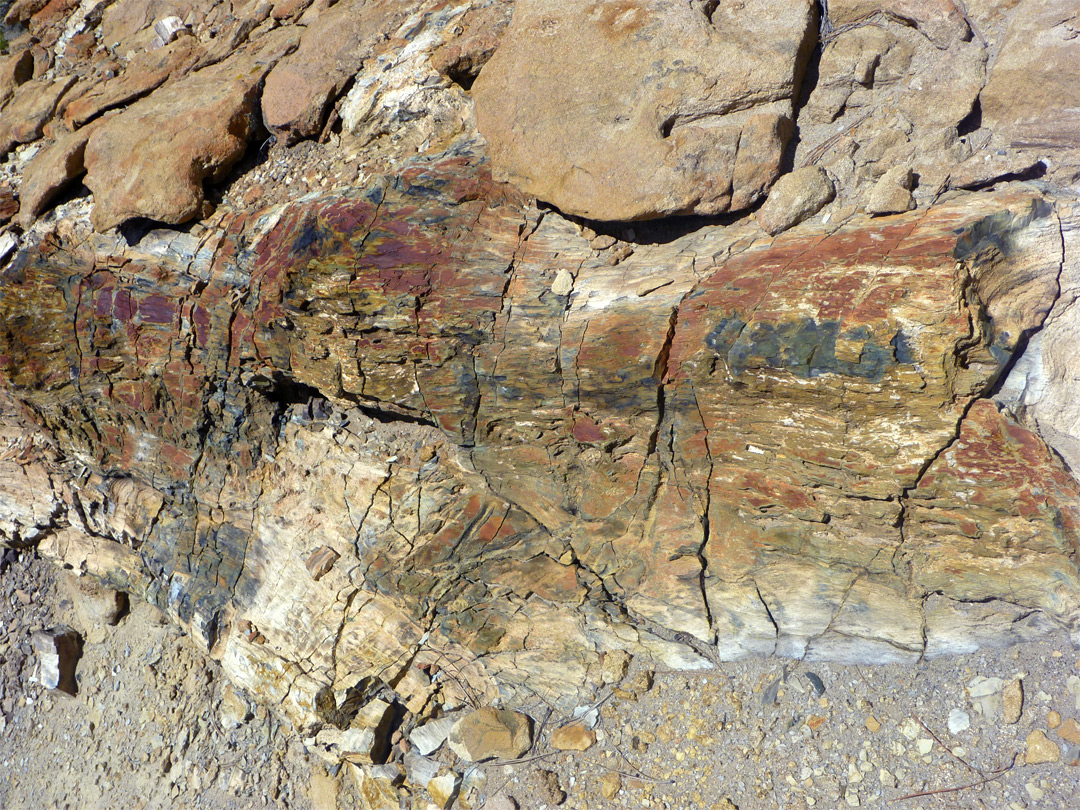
point(422, 418)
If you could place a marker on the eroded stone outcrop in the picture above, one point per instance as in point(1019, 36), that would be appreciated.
point(412, 429)
point(641, 109)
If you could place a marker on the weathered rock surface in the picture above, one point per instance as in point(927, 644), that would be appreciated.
point(632, 110)
point(194, 133)
point(1037, 63)
point(299, 90)
point(491, 733)
point(31, 106)
point(796, 196)
point(58, 650)
point(383, 427)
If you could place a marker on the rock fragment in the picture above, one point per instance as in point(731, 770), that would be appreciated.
point(614, 666)
point(31, 106)
point(959, 721)
point(376, 784)
point(9, 206)
point(151, 160)
point(8, 243)
point(1039, 750)
point(563, 283)
point(489, 733)
point(167, 30)
point(427, 738)
point(58, 650)
point(233, 709)
point(1012, 701)
point(443, 789)
point(794, 197)
point(892, 193)
point(50, 171)
point(573, 737)
point(610, 785)
point(15, 69)
point(366, 739)
point(321, 561)
point(301, 88)
point(1070, 731)
point(419, 770)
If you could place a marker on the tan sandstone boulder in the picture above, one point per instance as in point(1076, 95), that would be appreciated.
point(643, 109)
point(1038, 63)
point(151, 159)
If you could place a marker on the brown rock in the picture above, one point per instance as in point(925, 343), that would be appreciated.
point(1012, 701)
point(1070, 731)
point(49, 14)
point(794, 197)
point(31, 106)
point(23, 10)
point(491, 733)
point(643, 109)
point(301, 88)
point(481, 29)
point(151, 160)
point(892, 193)
point(53, 169)
point(148, 70)
point(9, 206)
point(1053, 719)
point(610, 785)
point(1037, 63)
point(574, 737)
point(1038, 750)
point(284, 9)
point(940, 20)
point(15, 69)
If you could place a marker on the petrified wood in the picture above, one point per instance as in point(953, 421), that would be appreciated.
point(423, 421)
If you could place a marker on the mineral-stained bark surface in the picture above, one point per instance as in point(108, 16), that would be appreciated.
point(415, 422)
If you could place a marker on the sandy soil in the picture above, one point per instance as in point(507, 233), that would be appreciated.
point(154, 725)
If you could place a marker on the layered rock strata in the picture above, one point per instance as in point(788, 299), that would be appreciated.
point(415, 428)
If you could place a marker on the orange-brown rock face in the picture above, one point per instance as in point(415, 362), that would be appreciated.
point(381, 414)
point(642, 108)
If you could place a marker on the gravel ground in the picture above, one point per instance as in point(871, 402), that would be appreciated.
point(155, 726)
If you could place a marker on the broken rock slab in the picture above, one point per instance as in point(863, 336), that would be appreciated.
point(644, 109)
point(151, 160)
point(796, 196)
point(489, 733)
point(1037, 63)
point(427, 738)
point(301, 88)
point(58, 650)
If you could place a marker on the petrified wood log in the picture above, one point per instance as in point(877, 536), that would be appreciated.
point(424, 422)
